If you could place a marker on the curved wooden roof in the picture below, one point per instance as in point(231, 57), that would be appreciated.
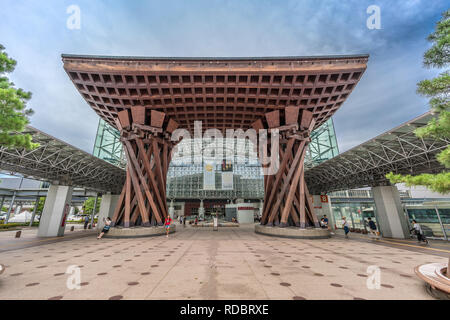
point(223, 93)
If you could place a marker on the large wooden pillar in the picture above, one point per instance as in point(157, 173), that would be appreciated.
point(145, 136)
point(287, 201)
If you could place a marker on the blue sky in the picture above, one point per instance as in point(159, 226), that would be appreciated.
point(35, 34)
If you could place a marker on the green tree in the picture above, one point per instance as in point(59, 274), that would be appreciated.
point(438, 90)
point(13, 112)
point(88, 205)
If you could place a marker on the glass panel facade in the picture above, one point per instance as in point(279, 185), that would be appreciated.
point(356, 214)
point(107, 145)
point(445, 219)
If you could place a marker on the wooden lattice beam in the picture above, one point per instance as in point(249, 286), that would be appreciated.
point(145, 138)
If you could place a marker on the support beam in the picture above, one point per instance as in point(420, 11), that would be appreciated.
point(389, 212)
point(36, 204)
point(56, 210)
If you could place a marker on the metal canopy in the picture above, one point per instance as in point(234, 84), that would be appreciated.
point(398, 150)
point(57, 161)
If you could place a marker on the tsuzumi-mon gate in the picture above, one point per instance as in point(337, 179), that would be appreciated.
point(273, 101)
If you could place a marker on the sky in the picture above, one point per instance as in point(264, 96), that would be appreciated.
point(35, 33)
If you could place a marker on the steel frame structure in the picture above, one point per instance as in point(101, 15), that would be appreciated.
point(107, 145)
point(398, 150)
point(58, 162)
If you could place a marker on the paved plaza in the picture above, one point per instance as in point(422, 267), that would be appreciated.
point(199, 263)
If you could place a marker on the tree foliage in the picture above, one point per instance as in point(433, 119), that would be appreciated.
point(438, 90)
point(13, 112)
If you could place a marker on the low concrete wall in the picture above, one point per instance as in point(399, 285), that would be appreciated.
point(293, 232)
point(136, 232)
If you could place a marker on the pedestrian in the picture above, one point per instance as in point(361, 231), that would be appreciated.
point(372, 227)
point(167, 224)
point(419, 232)
point(345, 225)
point(323, 225)
point(184, 222)
point(105, 228)
point(181, 219)
point(86, 221)
point(196, 220)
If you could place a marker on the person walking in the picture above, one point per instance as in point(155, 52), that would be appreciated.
point(419, 232)
point(86, 222)
point(184, 222)
point(372, 227)
point(105, 228)
point(346, 227)
point(167, 224)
